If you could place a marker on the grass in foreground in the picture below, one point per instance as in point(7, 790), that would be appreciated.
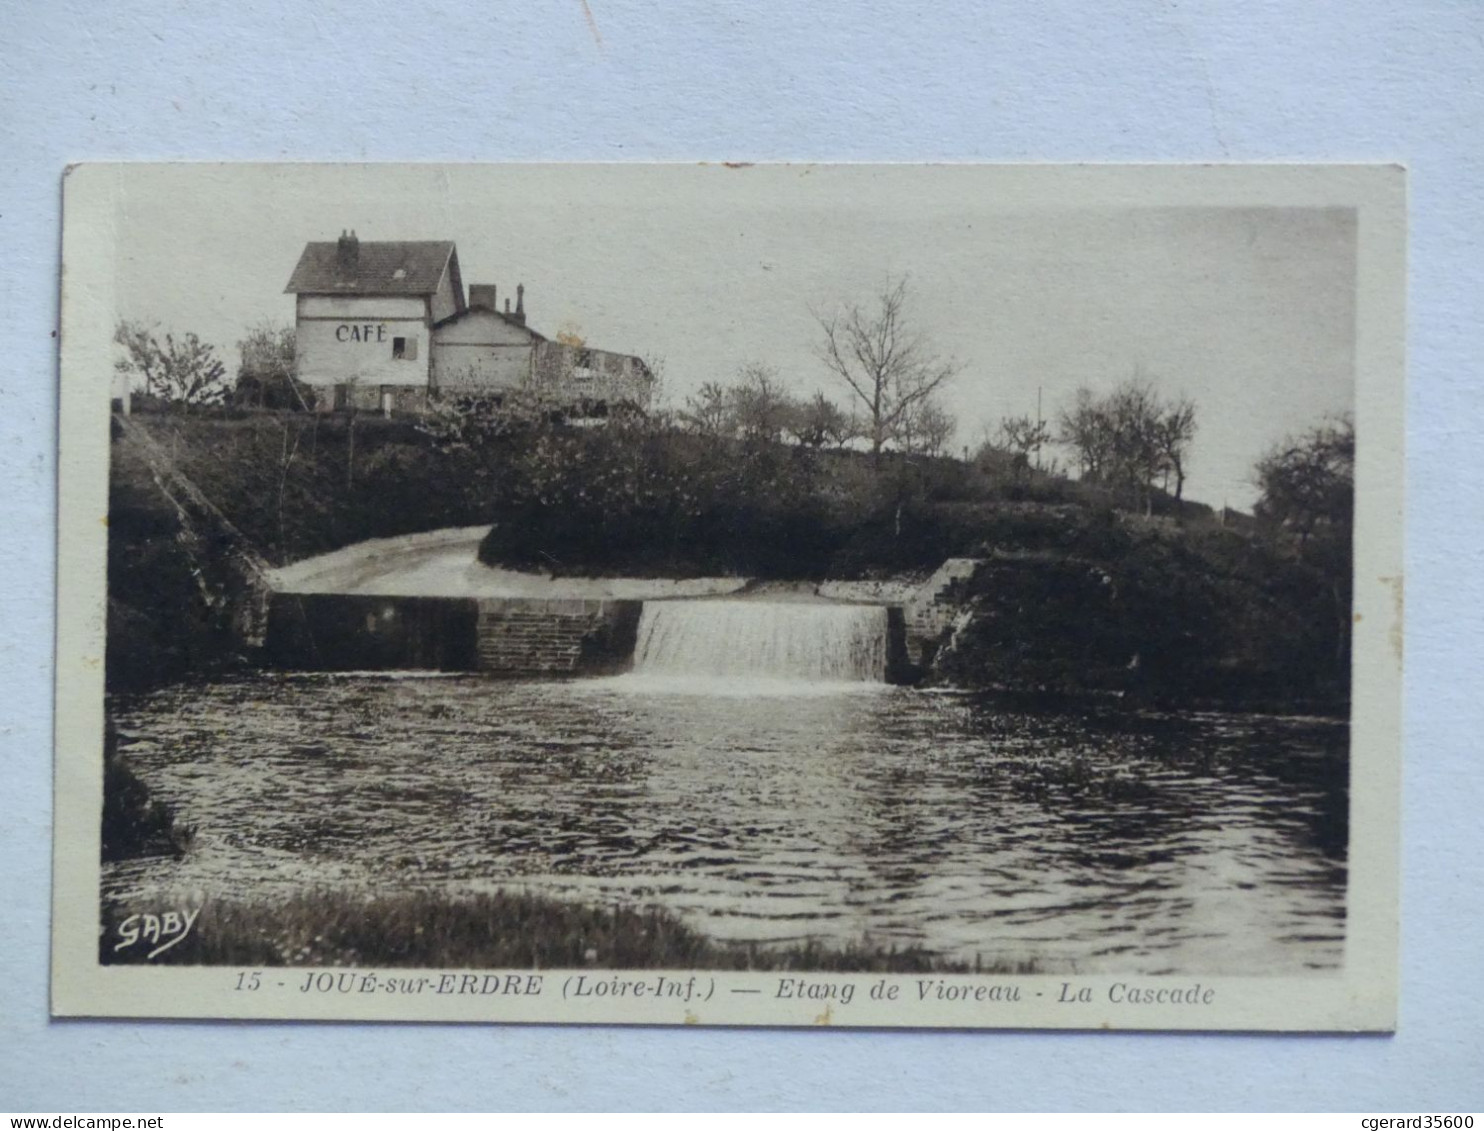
point(487, 931)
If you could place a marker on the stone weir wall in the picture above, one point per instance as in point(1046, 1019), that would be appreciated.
point(503, 636)
point(552, 637)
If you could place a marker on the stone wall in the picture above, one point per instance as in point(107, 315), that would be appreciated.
point(577, 374)
point(933, 611)
point(341, 632)
point(556, 637)
point(500, 636)
point(374, 398)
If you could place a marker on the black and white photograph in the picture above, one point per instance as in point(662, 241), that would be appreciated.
point(697, 594)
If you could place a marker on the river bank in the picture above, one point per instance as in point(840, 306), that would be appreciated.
point(477, 931)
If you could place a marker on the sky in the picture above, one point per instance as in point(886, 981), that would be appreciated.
point(1031, 280)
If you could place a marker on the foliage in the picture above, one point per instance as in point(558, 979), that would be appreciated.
point(655, 367)
point(637, 494)
point(1208, 610)
point(709, 410)
point(819, 423)
point(165, 620)
point(1131, 439)
point(280, 477)
point(1024, 437)
point(267, 372)
point(887, 365)
point(761, 405)
point(758, 407)
point(1308, 490)
point(1085, 604)
point(924, 428)
point(1308, 481)
point(185, 371)
point(134, 823)
point(485, 931)
point(1174, 432)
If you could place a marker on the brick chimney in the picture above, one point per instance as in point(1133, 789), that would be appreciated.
point(520, 303)
point(482, 294)
point(347, 255)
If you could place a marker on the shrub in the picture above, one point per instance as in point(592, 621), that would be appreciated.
point(134, 823)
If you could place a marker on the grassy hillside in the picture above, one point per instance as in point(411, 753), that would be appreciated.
point(290, 485)
point(1155, 611)
point(299, 484)
point(492, 931)
point(1078, 593)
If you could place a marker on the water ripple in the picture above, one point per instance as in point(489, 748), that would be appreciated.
point(1201, 843)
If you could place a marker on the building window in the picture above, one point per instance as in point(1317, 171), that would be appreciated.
point(404, 349)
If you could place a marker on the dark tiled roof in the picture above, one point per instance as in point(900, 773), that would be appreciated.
point(482, 308)
point(392, 267)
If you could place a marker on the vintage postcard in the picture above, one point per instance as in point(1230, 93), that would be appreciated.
point(944, 596)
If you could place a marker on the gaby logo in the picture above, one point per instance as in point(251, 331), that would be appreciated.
point(161, 931)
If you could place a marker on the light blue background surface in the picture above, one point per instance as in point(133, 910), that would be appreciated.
point(1354, 81)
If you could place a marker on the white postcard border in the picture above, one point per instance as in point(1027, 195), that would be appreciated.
point(1360, 997)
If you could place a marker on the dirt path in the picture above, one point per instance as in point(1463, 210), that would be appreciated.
point(445, 563)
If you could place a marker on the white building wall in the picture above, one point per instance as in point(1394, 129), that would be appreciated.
point(353, 340)
point(481, 351)
point(356, 306)
point(445, 303)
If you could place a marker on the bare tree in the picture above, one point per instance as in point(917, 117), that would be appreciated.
point(709, 410)
point(1174, 434)
point(760, 405)
point(185, 371)
point(886, 364)
point(1308, 481)
point(1308, 489)
point(659, 405)
point(267, 373)
point(1131, 438)
point(924, 429)
point(1133, 411)
point(1087, 430)
point(1023, 437)
point(820, 421)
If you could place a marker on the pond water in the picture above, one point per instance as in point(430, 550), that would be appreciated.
point(1095, 841)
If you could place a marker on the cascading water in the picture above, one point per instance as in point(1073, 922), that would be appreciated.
point(752, 640)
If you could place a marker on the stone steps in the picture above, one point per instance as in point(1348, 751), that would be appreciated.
point(931, 614)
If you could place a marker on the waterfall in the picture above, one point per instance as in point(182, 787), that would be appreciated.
point(710, 639)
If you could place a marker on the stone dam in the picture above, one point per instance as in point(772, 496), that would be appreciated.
point(425, 602)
